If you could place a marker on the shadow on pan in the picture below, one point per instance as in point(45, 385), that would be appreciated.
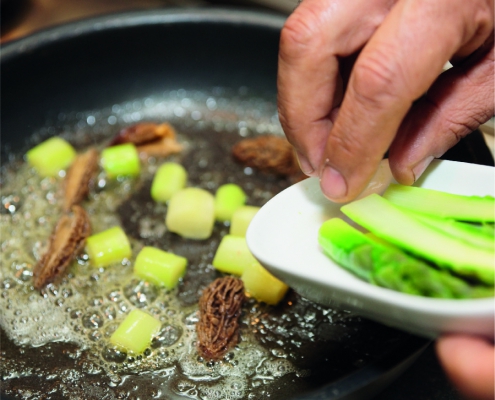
point(112, 59)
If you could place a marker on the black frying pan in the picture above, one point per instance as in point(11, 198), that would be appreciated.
point(112, 59)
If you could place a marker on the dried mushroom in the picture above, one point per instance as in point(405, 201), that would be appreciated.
point(219, 312)
point(79, 176)
point(66, 241)
point(267, 153)
point(150, 138)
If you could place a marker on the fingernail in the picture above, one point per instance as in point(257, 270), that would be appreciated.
point(333, 184)
point(304, 164)
point(420, 167)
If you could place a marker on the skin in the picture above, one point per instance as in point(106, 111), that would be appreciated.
point(352, 78)
point(359, 77)
point(469, 362)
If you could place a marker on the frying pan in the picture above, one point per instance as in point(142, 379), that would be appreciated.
point(93, 64)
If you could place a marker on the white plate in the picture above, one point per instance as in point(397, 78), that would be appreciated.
point(283, 236)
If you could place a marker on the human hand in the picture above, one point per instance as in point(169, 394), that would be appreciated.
point(469, 362)
point(352, 81)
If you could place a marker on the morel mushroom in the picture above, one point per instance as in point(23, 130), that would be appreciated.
point(150, 138)
point(66, 241)
point(78, 179)
point(219, 312)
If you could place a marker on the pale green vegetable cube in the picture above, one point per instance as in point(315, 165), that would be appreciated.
point(135, 333)
point(228, 198)
point(262, 285)
point(159, 267)
point(191, 213)
point(241, 220)
point(121, 160)
point(233, 255)
point(51, 156)
point(108, 247)
point(169, 179)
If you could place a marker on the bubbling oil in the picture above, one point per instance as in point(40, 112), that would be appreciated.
point(87, 304)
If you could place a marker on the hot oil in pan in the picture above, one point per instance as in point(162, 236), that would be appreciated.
point(56, 343)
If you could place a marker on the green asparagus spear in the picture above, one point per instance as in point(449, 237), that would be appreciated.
point(388, 222)
point(387, 266)
point(441, 204)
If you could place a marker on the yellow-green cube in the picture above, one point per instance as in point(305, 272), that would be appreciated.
point(191, 213)
point(159, 267)
point(241, 218)
point(121, 160)
point(168, 180)
point(108, 247)
point(228, 198)
point(233, 255)
point(262, 285)
point(51, 156)
point(135, 333)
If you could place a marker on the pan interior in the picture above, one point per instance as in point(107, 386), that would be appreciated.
point(57, 341)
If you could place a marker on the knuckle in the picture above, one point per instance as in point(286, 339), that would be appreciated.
point(298, 34)
point(377, 80)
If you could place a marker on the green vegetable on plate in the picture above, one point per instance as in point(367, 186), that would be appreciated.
point(385, 265)
point(442, 204)
point(387, 221)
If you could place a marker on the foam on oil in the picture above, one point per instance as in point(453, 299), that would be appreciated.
point(88, 304)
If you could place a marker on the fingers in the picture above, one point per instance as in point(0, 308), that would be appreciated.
point(309, 86)
point(397, 65)
point(469, 362)
point(458, 103)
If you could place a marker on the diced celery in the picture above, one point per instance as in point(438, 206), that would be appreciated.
point(169, 179)
point(387, 221)
point(108, 247)
point(51, 156)
point(262, 285)
point(191, 213)
point(241, 219)
point(159, 267)
point(233, 255)
point(121, 160)
point(228, 198)
point(441, 204)
point(385, 265)
point(136, 332)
